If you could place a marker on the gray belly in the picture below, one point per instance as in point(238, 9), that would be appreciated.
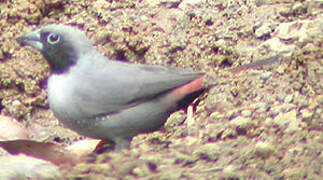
point(125, 124)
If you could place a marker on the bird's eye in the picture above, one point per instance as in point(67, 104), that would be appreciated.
point(53, 38)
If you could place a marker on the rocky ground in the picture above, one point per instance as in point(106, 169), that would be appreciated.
point(262, 121)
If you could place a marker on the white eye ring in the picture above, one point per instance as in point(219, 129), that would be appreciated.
point(53, 38)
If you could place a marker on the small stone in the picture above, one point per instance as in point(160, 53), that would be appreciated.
point(297, 31)
point(263, 31)
point(299, 8)
point(262, 2)
point(281, 69)
point(288, 107)
point(280, 119)
point(289, 98)
point(220, 43)
point(232, 113)
point(228, 133)
point(246, 113)
point(288, 120)
point(302, 103)
point(265, 76)
point(80, 21)
point(1, 55)
point(16, 103)
point(215, 115)
point(188, 3)
point(209, 151)
point(211, 103)
point(280, 97)
point(274, 44)
point(185, 157)
point(285, 12)
point(269, 121)
point(275, 110)
point(137, 171)
point(294, 124)
point(262, 107)
point(264, 149)
point(230, 168)
point(101, 37)
point(242, 123)
point(212, 131)
point(306, 114)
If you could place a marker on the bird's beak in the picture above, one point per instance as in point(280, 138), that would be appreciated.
point(31, 39)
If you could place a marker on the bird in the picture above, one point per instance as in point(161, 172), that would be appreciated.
point(102, 98)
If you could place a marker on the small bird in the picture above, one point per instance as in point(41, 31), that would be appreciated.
point(101, 98)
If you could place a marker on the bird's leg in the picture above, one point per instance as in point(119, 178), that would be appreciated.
point(121, 143)
point(191, 127)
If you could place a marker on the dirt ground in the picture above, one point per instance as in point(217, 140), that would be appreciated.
point(258, 122)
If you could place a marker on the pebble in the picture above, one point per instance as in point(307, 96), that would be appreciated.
point(264, 149)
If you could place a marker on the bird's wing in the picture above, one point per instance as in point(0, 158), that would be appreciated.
point(113, 86)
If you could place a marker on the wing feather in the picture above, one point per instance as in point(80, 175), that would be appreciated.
point(114, 86)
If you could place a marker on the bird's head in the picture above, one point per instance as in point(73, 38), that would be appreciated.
point(61, 45)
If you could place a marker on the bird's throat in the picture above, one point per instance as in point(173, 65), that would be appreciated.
point(60, 63)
